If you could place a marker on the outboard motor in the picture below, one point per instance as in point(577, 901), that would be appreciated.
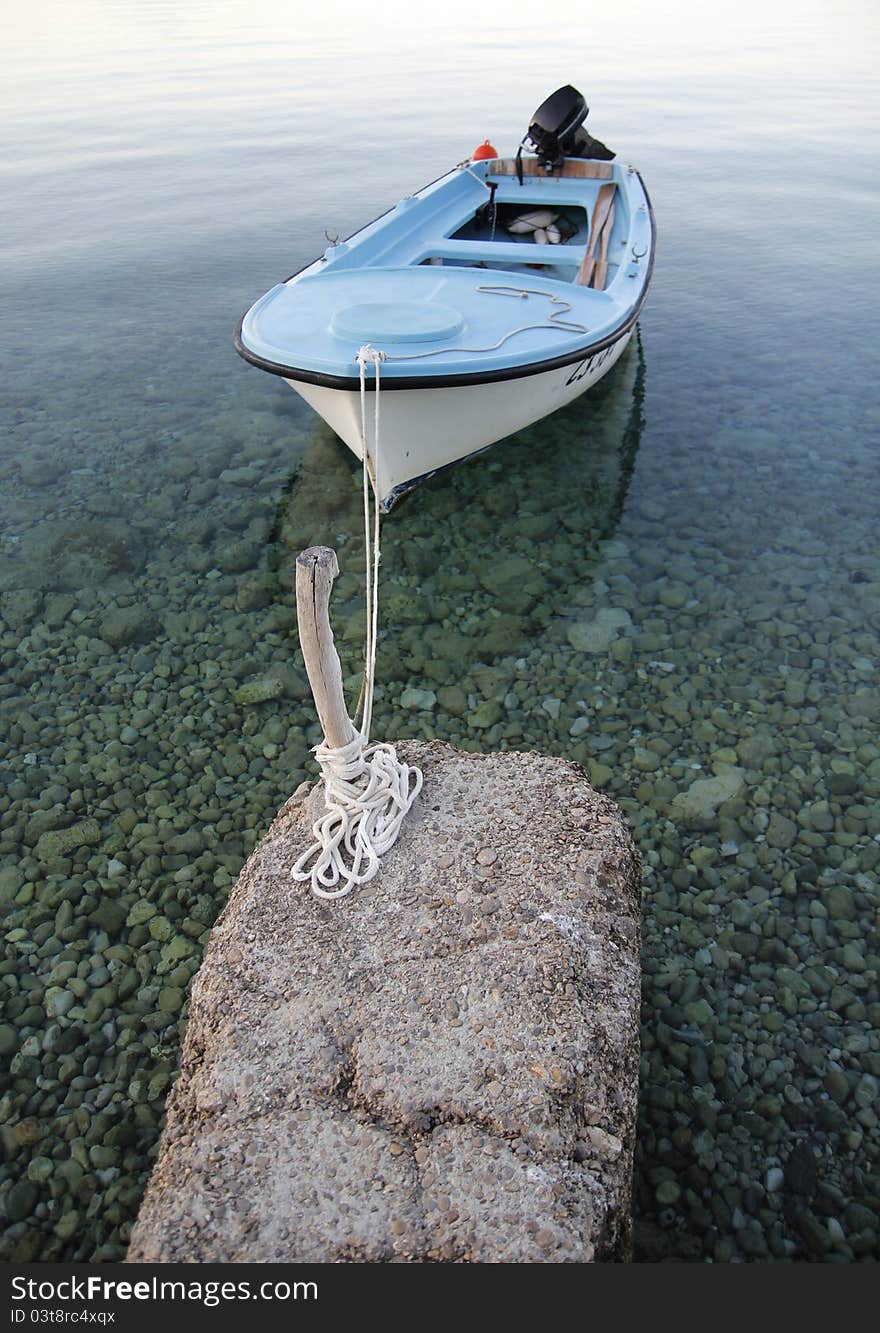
point(556, 132)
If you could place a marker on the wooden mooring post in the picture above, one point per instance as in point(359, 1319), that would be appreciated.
point(316, 569)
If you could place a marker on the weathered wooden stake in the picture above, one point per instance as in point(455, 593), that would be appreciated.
point(316, 568)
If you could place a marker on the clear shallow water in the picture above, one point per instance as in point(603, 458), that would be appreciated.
point(718, 496)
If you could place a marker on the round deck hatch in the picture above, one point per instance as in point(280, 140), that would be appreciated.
point(383, 322)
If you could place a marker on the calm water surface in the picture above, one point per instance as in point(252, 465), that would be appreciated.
point(163, 165)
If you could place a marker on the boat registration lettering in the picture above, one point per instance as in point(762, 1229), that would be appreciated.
point(589, 364)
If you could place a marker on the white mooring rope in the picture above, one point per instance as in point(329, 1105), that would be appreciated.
point(367, 789)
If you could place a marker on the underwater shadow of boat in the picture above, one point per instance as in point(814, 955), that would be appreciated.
point(479, 559)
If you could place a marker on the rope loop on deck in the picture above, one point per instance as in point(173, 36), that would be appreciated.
point(552, 321)
point(367, 789)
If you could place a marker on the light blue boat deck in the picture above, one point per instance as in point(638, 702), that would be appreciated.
point(441, 297)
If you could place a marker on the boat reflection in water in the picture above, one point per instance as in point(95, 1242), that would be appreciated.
point(483, 562)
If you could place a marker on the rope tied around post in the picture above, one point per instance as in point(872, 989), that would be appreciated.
point(367, 789)
point(367, 792)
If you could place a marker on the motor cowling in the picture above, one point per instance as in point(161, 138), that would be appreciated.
point(556, 130)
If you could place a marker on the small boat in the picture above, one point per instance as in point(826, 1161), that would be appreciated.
point(476, 306)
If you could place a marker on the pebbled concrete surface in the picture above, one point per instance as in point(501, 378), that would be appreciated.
point(441, 1067)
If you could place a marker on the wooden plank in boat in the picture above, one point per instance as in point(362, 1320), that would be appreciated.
point(600, 271)
point(604, 200)
point(573, 168)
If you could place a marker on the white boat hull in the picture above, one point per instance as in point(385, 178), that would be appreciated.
point(424, 430)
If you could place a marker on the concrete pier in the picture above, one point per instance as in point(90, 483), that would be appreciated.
point(441, 1067)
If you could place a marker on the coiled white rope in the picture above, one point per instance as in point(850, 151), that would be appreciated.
point(367, 789)
point(367, 792)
